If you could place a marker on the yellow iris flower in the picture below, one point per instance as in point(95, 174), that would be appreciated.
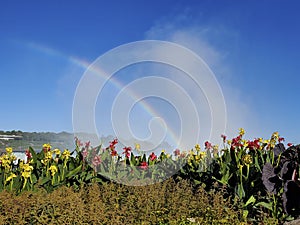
point(27, 169)
point(242, 131)
point(66, 154)
point(53, 170)
point(10, 177)
point(9, 150)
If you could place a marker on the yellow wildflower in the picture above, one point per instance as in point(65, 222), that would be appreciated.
point(12, 175)
point(247, 159)
point(44, 161)
point(215, 149)
point(13, 157)
point(229, 142)
point(56, 151)
point(26, 174)
point(197, 147)
point(191, 152)
point(27, 169)
point(275, 135)
point(66, 154)
point(137, 146)
point(21, 164)
point(53, 170)
point(242, 131)
point(5, 161)
point(190, 162)
point(9, 150)
point(272, 143)
point(47, 157)
point(168, 155)
point(202, 154)
point(47, 146)
point(163, 151)
point(245, 143)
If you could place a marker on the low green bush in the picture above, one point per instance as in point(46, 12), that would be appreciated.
point(168, 202)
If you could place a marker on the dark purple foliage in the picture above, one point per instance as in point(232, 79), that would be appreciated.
point(285, 176)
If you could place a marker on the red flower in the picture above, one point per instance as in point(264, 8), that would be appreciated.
point(144, 165)
point(177, 152)
point(280, 139)
point(152, 156)
point(223, 137)
point(112, 144)
point(236, 142)
point(113, 153)
point(289, 144)
point(28, 154)
point(252, 145)
point(208, 145)
point(127, 151)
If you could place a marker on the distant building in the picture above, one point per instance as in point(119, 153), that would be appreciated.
point(6, 137)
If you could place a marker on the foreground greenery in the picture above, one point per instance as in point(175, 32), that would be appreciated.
point(168, 202)
point(256, 181)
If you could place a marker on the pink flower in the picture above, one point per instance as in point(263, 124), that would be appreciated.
point(152, 156)
point(280, 139)
point(78, 142)
point(96, 160)
point(177, 152)
point(144, 165)
point(87, 144)
point(84, 153)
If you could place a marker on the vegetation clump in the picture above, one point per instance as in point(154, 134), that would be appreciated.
point(245, 181)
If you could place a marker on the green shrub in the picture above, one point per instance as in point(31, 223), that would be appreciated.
point(168, 202)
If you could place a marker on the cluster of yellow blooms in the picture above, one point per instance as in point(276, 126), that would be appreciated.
point(48, 154)
point(196, 156)
point(53, 169)
point(27, 169)
point(7, 159)
point(247, 159)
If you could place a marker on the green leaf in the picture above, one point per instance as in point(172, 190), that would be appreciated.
point(45, 180)
point(267, 205)
point(74, 172)
point(257, 164)
point(225, 178)
point(251, 200)
point(240, 191)
point(33, 154)
point(133, 161)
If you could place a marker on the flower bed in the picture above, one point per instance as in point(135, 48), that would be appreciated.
point(261, 175)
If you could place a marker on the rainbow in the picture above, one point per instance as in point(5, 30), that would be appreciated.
point(86, 65)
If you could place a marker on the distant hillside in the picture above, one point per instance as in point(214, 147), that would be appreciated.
point(63, 140)
point(36, 140)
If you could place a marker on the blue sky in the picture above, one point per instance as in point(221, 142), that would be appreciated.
point(252, 47)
